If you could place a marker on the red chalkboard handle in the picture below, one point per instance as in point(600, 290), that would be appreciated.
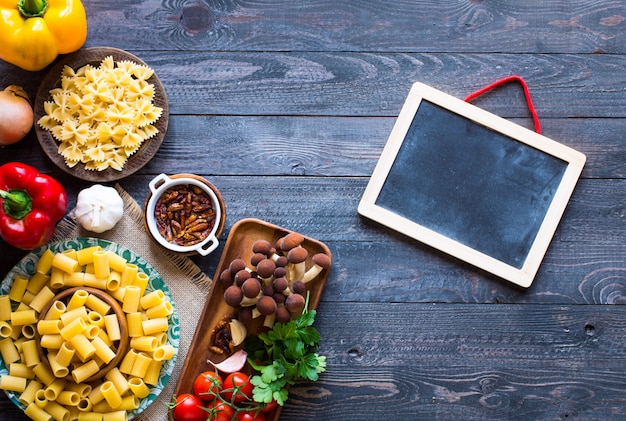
point(508, 79)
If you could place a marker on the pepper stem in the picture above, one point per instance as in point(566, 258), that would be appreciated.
point(32, 8)
point(17, 203)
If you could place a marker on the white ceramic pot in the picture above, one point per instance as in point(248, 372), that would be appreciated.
point(157, 186)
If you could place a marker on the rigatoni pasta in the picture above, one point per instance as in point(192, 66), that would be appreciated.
point(5, 307)
point(80, 336)
point(28, 395)
point(36, 413)
point(13, 383)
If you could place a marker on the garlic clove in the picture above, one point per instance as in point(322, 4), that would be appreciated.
point(233, 363)
point(238, 332)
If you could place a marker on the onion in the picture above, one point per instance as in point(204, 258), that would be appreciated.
point(16, 115)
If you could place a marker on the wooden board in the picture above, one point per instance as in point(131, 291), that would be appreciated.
point(295, 103)
point(238, 245)
point(472, 184)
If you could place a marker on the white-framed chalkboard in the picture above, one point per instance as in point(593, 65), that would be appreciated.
point(472, 184)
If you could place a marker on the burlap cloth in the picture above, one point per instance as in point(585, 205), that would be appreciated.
point(185, 280)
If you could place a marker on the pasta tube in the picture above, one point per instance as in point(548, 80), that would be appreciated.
point(111, 395)
point(83, 372)
point(18, 288)
point(9, 351)
point(44, 264)
point(5, 307)
point(5, 329)
point(131, 299)
point(13, 383)
point(28, 395)
point(101, 267)
point(138, 387)
point(35, 413)
point(78, 299)
point(65, 263)
point(128, 274)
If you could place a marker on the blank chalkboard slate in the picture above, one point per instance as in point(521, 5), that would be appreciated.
point(472, 184)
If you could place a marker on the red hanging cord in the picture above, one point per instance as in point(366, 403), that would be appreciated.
point(513, 78)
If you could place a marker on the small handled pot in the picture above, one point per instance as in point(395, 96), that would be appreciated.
point(158, 186)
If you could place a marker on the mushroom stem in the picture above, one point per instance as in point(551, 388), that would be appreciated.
point(269, 320)
point(310, 274)
point(247, 302)
point(320, 261)
point(267, 281)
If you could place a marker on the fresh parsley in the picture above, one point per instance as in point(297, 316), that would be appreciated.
point(283, 355)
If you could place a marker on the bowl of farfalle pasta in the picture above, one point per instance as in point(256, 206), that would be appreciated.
point(101, 114)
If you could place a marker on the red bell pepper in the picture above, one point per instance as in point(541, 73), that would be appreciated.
point(32, 204)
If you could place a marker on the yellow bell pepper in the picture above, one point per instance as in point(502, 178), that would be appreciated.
point(34, 32)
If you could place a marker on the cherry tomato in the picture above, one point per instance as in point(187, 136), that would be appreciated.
point(237, 388)
point(268, 407)
point(189, 408)
point(250, 416)
point(207, 385)
point(220, 411)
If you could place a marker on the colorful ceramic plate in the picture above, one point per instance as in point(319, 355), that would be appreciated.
point(50, 145)
point(26, 267)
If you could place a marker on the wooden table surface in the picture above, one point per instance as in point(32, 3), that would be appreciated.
point(286, 105)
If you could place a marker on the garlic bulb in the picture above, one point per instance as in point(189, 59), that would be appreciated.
point(99, 208)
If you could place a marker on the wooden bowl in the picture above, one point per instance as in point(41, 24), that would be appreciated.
point(122, 345)
point(50, 145)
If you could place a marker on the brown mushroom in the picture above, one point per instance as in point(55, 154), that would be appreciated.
point(280, 272)
point(295, 304)
point(282, 314)
point(263, 246)
point(298, 287)
point(280, 284)
point(279, 297)
point(289, 241)
point(236, 265)
point(256, 258)
point(320, 261)
point(241, 276)
point(268, 289)
point(297, 258)
point(251, 287)
point(226, 278)
point(233, 296)
point(266, 305)
point(281, 261)
point(245, 314)
point(265, 269)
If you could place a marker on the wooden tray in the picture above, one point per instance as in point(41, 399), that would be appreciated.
point(239, 244)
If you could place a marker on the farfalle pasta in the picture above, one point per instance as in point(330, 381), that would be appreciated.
point(102, 115)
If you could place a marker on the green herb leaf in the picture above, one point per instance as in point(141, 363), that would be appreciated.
point(284, 354)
